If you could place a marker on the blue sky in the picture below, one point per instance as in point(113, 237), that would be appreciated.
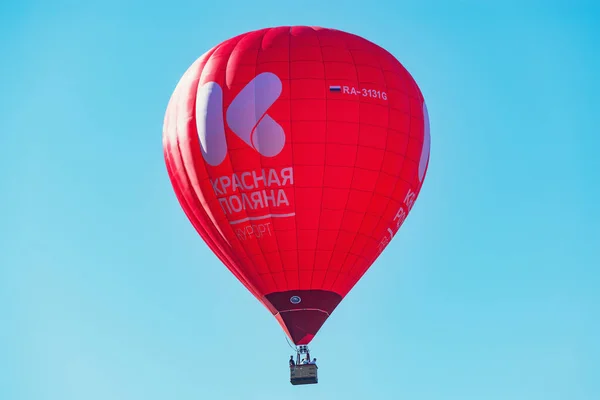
point(489, 291)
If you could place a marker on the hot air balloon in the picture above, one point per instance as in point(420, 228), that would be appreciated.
point(297, 153)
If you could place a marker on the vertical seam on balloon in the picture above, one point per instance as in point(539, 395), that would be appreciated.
point(209, 174)
point(292, 148)
point(374, 190)
point(352, 179)
point(364, 213)
point(421, 99)
point(173, 108)
point(192, 193)
point(277, 286)
point(251, 261)
point(228, 160)
point(278, 251)
point(183, 164)
point(390, 199)
point(270, 273)
point(312, 275)
point(410, 114)
point(260, 157)
point(186, 173)
point(288, 134)
point(404, 162)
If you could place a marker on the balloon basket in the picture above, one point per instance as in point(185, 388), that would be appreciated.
point(304, 372)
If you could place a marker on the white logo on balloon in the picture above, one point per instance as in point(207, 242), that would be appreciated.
point(246, 116)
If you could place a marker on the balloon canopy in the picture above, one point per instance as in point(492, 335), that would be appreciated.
point(297, 153)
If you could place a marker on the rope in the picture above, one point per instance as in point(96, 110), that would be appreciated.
point(288, 342)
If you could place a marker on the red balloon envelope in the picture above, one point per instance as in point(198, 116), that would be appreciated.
point(297, 153)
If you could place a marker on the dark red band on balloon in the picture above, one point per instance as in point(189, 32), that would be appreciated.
point(301, 313)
